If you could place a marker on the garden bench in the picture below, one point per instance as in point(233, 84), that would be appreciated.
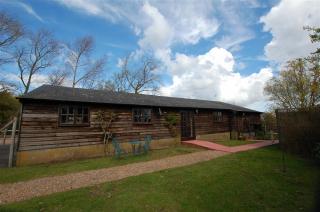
point(147, 141)
point(117, 148)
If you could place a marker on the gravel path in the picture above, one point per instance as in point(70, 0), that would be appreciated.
point(43, 186)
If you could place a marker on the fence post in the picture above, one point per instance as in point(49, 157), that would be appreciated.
point(13, 135)
point(281, 142)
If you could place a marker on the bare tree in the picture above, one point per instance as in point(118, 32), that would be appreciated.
point(142, 79)
point(135, 77)
point(106, 85)
point(37, 53)
point(118, 82)
point(10, 31)
point(57, 77)
point(83, 69)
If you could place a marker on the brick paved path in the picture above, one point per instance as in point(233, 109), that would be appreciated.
point(219, 147)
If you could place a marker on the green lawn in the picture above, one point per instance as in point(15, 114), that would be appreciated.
point(246, 181)
point(30, 172)
point(234, 142)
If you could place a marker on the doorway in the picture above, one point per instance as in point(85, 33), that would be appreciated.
point(187, 125)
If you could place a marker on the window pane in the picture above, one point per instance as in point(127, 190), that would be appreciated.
point(78, 119)
point(63, 119)
point(142, 115)
point(70, 110)
point(69, 119)
point(73, 115)
point(217, 116)
point(85, 111)
point(79, 110)
point(64, 110)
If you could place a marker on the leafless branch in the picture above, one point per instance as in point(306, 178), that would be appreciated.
point(138, 78)
point(37, 53)
point(10, 31)
point(57, 77)
point(83, 69)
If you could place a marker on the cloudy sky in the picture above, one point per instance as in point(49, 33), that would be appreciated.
point(209, 49)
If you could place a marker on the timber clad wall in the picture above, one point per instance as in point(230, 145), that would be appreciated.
point(40, 127)
point(205, 124)
point(243, 123)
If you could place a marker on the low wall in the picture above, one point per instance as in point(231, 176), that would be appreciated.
point(214, 136)
point(25, 158)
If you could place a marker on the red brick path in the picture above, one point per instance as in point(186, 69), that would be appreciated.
point(219, 147)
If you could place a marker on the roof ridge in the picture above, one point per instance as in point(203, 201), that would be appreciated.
point(120, 92)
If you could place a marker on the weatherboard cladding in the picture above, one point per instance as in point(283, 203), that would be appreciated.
point(60, 93)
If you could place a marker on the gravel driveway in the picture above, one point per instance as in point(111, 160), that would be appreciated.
point(43, 186)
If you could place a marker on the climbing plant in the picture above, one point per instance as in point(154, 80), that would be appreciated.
point(105, 119)
point(171, 123)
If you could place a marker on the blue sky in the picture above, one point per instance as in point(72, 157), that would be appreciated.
point(212, 49)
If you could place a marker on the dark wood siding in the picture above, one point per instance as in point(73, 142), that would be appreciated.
point(205, 124)
point(40, 128)
point(243, 122)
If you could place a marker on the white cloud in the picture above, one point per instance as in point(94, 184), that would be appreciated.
point(158, 34)
point(162, 24)
point(30, 10)
point(191, 20)
point(186, 22)
point(236, 18)
point(285, 22)
point(25, 7)
point(212, 76)
point(37, 79)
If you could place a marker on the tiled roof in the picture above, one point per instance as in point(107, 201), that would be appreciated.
point(60, 93)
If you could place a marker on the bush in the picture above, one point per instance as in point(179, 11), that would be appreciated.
point(9, 107)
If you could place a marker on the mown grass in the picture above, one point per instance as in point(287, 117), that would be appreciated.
point(30, 172)
point(246, 181)
point(234, 142)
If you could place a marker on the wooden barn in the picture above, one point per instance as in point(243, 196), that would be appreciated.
point(61, 123)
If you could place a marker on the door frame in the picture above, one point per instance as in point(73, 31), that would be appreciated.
point(190, 113)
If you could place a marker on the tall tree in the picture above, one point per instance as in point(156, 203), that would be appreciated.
point(84, 70)
point(135, 77)
point(10, 31)
point(298, 85)
point(314, 36)
point(36, 54)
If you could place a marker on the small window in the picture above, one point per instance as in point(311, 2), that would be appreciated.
point(73, 115)
point(141, 115)
point(217, 116)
